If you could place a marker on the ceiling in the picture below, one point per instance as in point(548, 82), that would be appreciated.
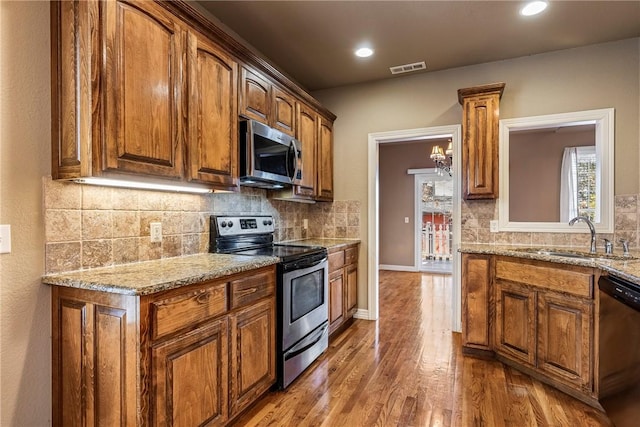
point(313, 41)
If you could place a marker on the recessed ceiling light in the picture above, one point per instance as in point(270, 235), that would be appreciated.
point(364, 52)
point(533, 8)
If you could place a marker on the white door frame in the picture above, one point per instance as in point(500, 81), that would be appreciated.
point(375, 139)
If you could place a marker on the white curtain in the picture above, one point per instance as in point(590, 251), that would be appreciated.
point(569, 185)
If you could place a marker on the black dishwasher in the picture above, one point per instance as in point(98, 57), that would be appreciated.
point(619, 350)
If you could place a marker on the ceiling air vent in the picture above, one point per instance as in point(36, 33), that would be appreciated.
point(408, 68)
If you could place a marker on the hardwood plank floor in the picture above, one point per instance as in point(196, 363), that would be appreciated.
point(407, 369)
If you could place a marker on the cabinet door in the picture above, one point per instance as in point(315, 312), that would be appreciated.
point(564, 339)
point(284, 111)
point(307, 135)
point(515, 329)
point(190, 378)
point(324, 184)
point(480, 116)
point(351, 290)
point(253, 354)
point(336, 295)
point(143, 111)
point(476, 301)
point(255, 96)
point(213, 115)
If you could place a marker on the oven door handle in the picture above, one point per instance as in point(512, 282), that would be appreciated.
point(305, 345)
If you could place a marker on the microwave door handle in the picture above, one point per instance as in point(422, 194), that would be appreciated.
point(292, 147)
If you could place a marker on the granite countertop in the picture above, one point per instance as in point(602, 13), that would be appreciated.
point(325, 242)
point(628, 269)
point(148, 277)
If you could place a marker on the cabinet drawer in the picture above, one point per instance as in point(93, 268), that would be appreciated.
point(336, 261)
point(351, 255)
point(253, 288)
point(544, 276)
point(188, 309)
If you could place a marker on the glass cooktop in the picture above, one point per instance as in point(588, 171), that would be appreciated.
point(284, 252)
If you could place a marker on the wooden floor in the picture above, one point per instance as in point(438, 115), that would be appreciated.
point(407, 370)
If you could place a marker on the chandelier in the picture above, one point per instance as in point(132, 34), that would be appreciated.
point(443, 159)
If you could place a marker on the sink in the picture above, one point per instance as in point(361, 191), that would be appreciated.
point(575, 254)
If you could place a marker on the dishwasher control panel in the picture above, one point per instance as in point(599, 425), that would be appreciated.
point(623, 290)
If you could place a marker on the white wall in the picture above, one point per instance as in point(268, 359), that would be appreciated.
point(25, 135)
point(591, 77)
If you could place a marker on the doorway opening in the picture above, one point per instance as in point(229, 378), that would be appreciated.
point(452, 132)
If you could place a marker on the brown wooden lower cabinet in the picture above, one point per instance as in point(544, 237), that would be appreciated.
point(343, 285)
point(542, 317)
point(182, 357)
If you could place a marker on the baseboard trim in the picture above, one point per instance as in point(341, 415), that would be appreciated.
point(397, 267)
point(361, 313)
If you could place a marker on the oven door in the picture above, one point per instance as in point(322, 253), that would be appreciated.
point(305, 297)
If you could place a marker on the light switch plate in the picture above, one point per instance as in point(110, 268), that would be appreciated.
point(406, 220)
point(5, 239)
point(305, 224)
point(493, 226)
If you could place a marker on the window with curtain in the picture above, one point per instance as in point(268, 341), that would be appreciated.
point(578, 195)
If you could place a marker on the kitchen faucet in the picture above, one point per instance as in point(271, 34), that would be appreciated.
point(591, 228)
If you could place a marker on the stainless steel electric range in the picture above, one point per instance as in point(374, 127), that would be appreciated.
point(302, 288)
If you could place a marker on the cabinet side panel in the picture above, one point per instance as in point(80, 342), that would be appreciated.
point(110, 341)
point(70, 359)
point(476, 301)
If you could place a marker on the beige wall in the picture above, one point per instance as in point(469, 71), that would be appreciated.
point(25, 134)
point(591, 77)
point(397, 190)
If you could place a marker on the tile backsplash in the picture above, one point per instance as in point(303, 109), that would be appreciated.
point(89, 226)
point(476, 215)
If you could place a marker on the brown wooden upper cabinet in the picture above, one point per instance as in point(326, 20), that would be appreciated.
point(267, 103)
point(480, 116)
point(152, 91)
point(324, 184)
point(308, 136)
point(138, 92)
point(213, 114)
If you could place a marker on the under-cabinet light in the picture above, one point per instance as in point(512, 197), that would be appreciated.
point(142, 185)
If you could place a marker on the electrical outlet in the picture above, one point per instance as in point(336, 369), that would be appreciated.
point(5, 239)
point(493, 226)
point(156, 232)
point(305, 224)
point(406, 220)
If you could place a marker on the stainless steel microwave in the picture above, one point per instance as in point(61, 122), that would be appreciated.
point(268, 158)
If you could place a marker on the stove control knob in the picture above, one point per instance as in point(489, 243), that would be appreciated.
point(265, 222)
point(269, 222)
point(230, 223)
point(223, 224)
